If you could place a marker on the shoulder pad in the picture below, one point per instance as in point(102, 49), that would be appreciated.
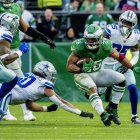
point(46, 83)
point(77, 45)
point(106, 44)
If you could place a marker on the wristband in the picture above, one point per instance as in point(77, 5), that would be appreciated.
point(121, 57)
point(19, 53)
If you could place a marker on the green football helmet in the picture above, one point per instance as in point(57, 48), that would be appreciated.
point(93, 35)
point(6, 3)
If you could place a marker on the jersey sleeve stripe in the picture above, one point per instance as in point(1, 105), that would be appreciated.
point(8, 36)
point(49, 84)
point(9, 40)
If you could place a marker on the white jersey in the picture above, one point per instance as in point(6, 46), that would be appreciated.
point(5, 34)
point(29, 88)
point(119, 42)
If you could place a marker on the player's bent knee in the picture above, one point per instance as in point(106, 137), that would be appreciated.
point(122, 84)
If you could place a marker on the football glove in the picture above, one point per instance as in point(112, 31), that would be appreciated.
point(122, 69)
point(87, 67)
point(23, 48)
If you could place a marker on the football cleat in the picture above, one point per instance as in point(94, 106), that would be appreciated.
point(116, 119)
point(106, 118)
point(29, 117)
point(87, 114)
point(52, 107)
point(9, 117)
point(135, 120)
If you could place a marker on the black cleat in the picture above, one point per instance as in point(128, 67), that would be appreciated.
point(52, 107)
point(87, 114)
point(116, 119)
point(106, 118)
point(135, 120)
point(86, 95)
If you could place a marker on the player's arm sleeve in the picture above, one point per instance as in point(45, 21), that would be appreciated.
point(107, 31)
point(135, 55)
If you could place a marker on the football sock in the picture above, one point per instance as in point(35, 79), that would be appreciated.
point(133, 94)
point(4, 104)
point(55, 100)
point(6, 87)
point(25, 109)
point(117, 93)
point(96, 103)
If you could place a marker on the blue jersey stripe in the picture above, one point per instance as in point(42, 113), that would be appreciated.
point(9, 40)
point(49, 84)
point(8, 36)
point(108, 32)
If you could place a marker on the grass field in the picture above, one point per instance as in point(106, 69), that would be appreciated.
point(61, 125)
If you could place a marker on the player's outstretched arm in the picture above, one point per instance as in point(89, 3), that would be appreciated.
point(9, 58)
point(38, 108)
point(121, 58)
point(65, 104)
point(35, 34)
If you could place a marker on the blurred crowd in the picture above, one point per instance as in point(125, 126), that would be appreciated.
point(67, 29)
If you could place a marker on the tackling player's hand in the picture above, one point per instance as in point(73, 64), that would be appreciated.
point(23, 48)
point(49, 42)
point(87, 67)
point(122, 69)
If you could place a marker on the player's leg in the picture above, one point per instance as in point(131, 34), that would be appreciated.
point(86, 83)
point(4, 104)
point(133, 92)
point(65, 104)
point(109, 78)
point(38, 108)
point(28, 116)
point(8, 79)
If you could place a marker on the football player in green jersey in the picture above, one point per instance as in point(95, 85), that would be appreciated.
point(91, 75)
point(100, 17)
point(14, 8)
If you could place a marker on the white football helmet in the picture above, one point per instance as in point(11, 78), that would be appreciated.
point(127, 21)
point(93, 35)
point(46, 70)
point(6, 3)
point(9, 21)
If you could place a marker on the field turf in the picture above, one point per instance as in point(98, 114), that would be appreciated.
point(62, 125)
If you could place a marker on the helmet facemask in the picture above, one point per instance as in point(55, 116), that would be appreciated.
point(93, 36)
point(127, 22)
point(6, 3)
point(92, 43)
point(126, 27)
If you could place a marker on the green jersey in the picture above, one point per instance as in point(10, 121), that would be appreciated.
point(78, 47)
point(14, 9)
point(102, 20)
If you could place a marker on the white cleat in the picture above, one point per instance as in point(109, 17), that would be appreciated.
point(29, 117)
point(9, 117)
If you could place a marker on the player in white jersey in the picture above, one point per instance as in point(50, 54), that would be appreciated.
point(8, 79)
point(125, 37)
point(37, 85)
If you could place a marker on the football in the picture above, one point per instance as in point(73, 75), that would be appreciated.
point(81, 60)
